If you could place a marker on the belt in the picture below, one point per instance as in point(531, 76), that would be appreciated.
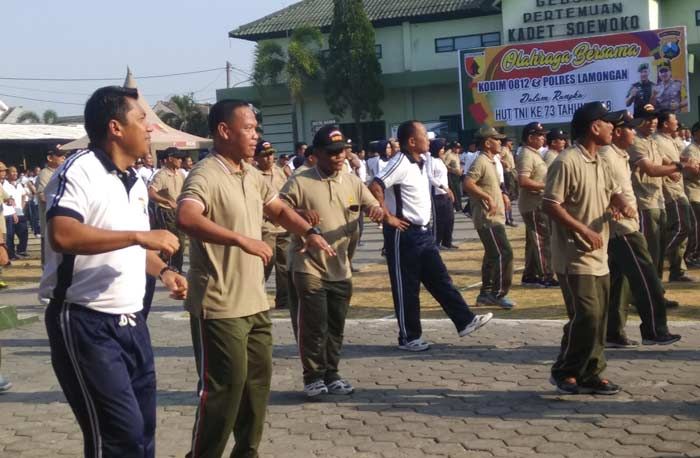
point(418, 227)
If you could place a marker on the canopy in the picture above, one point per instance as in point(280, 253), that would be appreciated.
point(162, 137)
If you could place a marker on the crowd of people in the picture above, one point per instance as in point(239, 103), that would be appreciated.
point(612, 200)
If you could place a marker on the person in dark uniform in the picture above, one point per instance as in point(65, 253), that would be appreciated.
point(640, 92)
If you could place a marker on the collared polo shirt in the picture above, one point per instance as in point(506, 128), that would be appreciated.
point(549, 157)
point(507, 159)
point(276, 178)
point(300, 169)
point(168, 184)
point(646, 188)
point(375, 166)
point(225, 281)
point(407, 188)
point(17, 192)
point(338, 199)
point(671, 151)
point(692, 182)
point(531, 165)
point(90, 188)
point(618, 162)
point(483, 173)
point(452, 163)
point(43, 179)
point(438, 176)
point(583, 186)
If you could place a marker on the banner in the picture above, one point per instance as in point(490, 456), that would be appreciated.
point(547, 81)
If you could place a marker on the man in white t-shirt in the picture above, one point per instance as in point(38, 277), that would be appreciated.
point(15, 217)
point(100, 247)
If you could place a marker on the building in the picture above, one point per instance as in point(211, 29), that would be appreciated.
point(417, 43)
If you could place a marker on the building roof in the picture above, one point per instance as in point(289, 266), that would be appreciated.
point(319, 13)
point(29, 132)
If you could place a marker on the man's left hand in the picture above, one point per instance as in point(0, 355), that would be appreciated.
point(376, 214)
point(176, 284)
point(318, 242)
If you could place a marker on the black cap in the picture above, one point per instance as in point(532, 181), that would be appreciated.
point(628, 121)
point(534, 128)
point(593, 111)
point(556, 134)
point(174, 152)
point(284, 156)
point(695, 127)
point(330, 139)
point(264, 148)
point(56, 152)
point(647, 112)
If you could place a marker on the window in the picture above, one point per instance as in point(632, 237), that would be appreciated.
point(481, 40)
point(697, 17)
point(325, 53)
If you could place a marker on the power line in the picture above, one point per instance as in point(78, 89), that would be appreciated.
point(17, 78)
point(41, 100)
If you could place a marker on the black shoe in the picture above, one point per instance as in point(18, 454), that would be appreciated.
point(23, 255)
point(549, 283)
point(666, 339)
point(669, 304)
point(601, 386)
point(683, 278)
point(621, 342)
point(531, 283)
point(512, 224)
point(568, 385)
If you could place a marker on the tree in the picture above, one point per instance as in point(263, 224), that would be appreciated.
point(28, 117)
point(353, 73)
point(50, 117)
point(186, 116)
point(297, 68)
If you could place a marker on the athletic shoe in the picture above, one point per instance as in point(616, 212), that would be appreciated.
point(415, 345)
point(621, 342)
point(316, 388)
point(531, 283)
point(505, 303)
point(666, 339)
point(669, 304)
point(341, 386)
point(683, 278)
point(568, 385)
point(486, 299)
point(512, 224)
point(549, 283)
point(600, 386)
point(449, 248)
point(4, 384)
point(477, 322)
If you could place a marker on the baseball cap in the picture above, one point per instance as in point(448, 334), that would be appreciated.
point(647, 112)
point(329, 138)
point(628, 121)
point(534, 128)
point(593, 111)
point(264, 148)
point(174, 152)
point(489, 132)
point(556, 134)
point(56, 152)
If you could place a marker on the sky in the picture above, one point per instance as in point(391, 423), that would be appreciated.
point(95, 39)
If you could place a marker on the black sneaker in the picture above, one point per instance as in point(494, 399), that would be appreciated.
point(666, 339)
point(669, 304)
point(621, 342)
point(549, 283)
point(568, 385)
point(531, 283)
point(601, 386)
point(683, 278)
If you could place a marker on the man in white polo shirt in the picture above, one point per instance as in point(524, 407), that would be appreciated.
point(403, 191)
point(99, 247)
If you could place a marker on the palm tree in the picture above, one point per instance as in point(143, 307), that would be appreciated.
point(300, 65)
point(28, 117)
point(186, 116)
point(50, 117)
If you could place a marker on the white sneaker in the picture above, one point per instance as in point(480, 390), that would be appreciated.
point(476, 323)
point(341, 386)
point(316, 388)
point(415, 345)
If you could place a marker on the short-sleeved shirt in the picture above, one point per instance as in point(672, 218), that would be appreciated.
point(507, 159)
point(276, 178)
point(301, 168)
point(582, 185)
point(671, 151)
point(225, 281)
point(3, 197)
point(42, 180)
point(338, 199)
point(549, 157)
point(647, 189)
point(452, 162)
point(618, 162)
point(692, 182)
point(531, 165)
point(90, 188)
point(483, 173)
point(407, 188)
point(168, 184)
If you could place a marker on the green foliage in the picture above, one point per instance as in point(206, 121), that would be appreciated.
point(353, 72)
point(187, 116)
point(28, 117)
point(50, 117)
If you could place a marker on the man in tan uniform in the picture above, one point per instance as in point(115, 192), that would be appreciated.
point(221, 208)
point(276, 237)
point(454, 173)
point(556, 142)
point(323, 284)
point(676, 202)
point(54, 159)
point(163, 190)
point(628, 256)
point(488, 213)
point(532, 171)
point(578, 192)
point(510, 177)
point(691, 181)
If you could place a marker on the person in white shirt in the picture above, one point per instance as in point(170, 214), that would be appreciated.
point(15, 218)
point(468, 157)
point(187, 164)
point(376, 164)
point(443, 197)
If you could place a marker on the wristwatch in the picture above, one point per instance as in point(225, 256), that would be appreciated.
point(679, 166)
point(313, 230)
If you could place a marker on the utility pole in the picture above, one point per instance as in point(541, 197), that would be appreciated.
point(228, 74)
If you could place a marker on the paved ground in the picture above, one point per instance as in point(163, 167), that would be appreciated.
point(481, 396)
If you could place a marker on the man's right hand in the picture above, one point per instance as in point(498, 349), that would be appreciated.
point(158, 240)
point(311, 216)
point(256, 248)
point(398, 223)
point(594, 239)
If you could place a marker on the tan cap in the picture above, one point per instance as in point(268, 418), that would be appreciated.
point(489, 132)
